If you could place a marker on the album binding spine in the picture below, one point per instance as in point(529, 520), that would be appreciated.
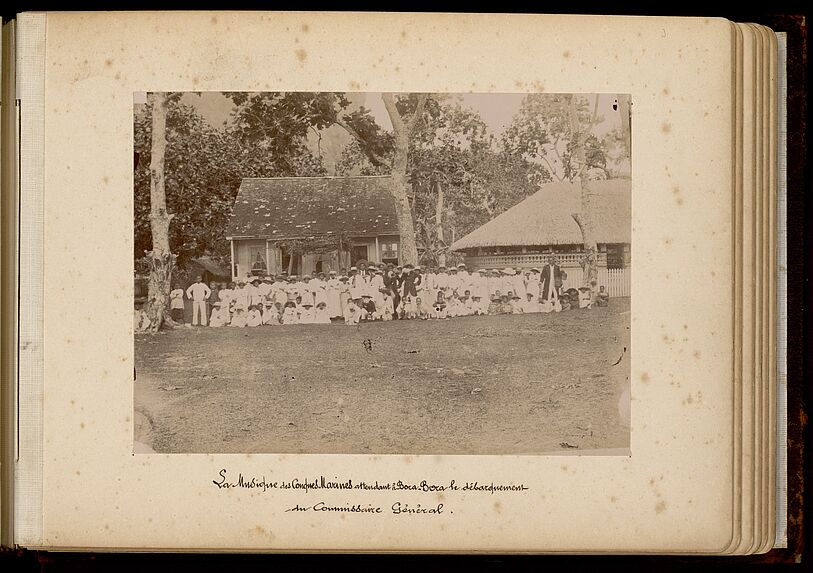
point(8, 281)
point(23, 195)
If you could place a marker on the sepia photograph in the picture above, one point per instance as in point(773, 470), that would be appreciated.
point(382, 273)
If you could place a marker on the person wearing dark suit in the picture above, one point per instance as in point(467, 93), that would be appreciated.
point(552, 278)
point(409, 281)
point(391, 282)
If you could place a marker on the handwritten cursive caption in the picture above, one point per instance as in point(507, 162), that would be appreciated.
point(306, 485)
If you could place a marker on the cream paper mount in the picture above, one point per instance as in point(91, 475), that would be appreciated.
point(672, 494)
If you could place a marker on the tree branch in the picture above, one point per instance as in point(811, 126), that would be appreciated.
point(398, 125)
point(374, 157)
point(558, 177)
point(422, 99)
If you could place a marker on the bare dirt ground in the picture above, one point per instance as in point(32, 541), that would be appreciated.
point(518, 384)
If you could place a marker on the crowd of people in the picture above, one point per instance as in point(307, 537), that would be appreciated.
point(381, 292)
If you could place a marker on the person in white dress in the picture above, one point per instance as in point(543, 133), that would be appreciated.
point(427, 290)
point(358, 283)
point(254, 317)
point(253, 290)
point(176, 305)
point(238, 319)
point(344, 292)
point(271, 314)
point(531, 303)
point(518, 285)
point(352, 312)
point(332, 291)
point(463, 279)
point(292, 288)
point(321, 315)
point(532, 282)
point(441, 282)
point(289, 315)
point(278, 290)
point(387, 308)
point(375, 288)
point(319, 289)
point(240, 296)
point(264, 289)
point(306, 313)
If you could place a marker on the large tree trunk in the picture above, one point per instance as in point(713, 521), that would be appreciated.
point(400, 185)
point(584, 219)
point(439, 222)
point(626, 126)
point(161, 256)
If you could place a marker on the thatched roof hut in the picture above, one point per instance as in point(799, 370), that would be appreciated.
point(546, 218)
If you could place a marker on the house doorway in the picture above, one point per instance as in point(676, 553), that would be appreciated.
point(358, 253)
point(286, 261)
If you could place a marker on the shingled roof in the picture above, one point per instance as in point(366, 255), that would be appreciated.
point(305, 207)
point(545, 218)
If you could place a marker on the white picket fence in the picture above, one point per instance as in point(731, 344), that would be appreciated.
point(615, 281)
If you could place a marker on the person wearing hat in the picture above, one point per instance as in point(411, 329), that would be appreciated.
point(176, 303)
point(277, 292)
point(452, 283)
point(368, 307)
point(198, 293)
point(410, 281)
point(439, 307)
point(344, 292)
point(376, 284)
point(213, 302)
point(505, 304)
point(289, 315)
point(533, 282)
point(305, 312)
point(531, 303)
point(479, 304)
point(226, 296)
point(254, 317)
point(255, 298)
point(332, 295)
point(518, 285)
point(318, 286)
point(352, 311)
point(478, 284)
point(292, 288)
point(397, 288)
point(428, 288)
point(516, 305)
point(305, 289)
point(585, 297)
point(264, 290)
point(238, 319)
point(464, 278)
point(320, 315)
point(495, 304)
point(358, 285)
point(552, 278)
point(220, 316)
point(454, 307)
point(391, 283)
point(271, 313)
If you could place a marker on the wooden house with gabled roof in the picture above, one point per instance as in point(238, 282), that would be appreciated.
point(305, 225)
